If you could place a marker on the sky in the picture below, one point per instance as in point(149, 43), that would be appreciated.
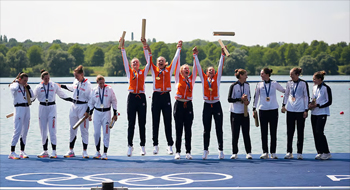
point(254, 22)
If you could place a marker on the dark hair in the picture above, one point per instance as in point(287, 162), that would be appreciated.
point(296, 70)
point(267, 71)
point(43, 73)
point(320, 74)
point(20, 75)
point(79, 69)
point(239, 72)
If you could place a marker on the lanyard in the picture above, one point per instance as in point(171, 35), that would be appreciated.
point(242, 91)
point(295, 90)
point(188, 84)
point(209, 82)
point(103, 94)
point(47, 92)
point(78, 89)
point(135, 75)
point(160, 72)
point(23, 92)
point(267, 91)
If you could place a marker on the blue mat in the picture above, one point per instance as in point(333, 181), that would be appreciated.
point(163, 172)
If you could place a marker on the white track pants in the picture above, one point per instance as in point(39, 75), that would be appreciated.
point(48, 121)
point(21, 124)
point(102, 119)
point(75, 114)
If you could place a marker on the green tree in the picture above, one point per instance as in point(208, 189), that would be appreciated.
point(97, 57)
point(281, 52)
point(291, 55)
point(17, 59)
point(4, 66)
point(114, 62)
point(3, 49)
point(271, 57)
point(212, 51)
point(34, 54)
point(327, 63)
point(78, 53)
point(346, 70)
point(308, 64)
point(235, 61)
point(136, 50)
point(301, 48)
point(55, 47)
point(345, 56)
point(57, 41)
point(0, 38)
point(5, 39)
point(160, 49)
point(254, 58)
point(59, 63)
point(201, 55)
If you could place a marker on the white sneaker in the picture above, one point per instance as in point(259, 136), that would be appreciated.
point(234, 156)
point(170, 150)
point(289, 155)
point(143, 151)
point(177, 155)
point(44, 154)
point(221, 154)
point(188, 156)
point(264, 156)
point(104, 156)
point(299, 156)
point(318, 156)
point(85, 154)
point(53, 154)
point(274, 156)
point(325, 156)
point(97, 155)
point(14, 156)
point(69, 154)
point(205, 154)
point(249, 156)
point(23, 155)
point(155, 150)
point(130, 149)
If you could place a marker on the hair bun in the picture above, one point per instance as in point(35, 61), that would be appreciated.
point(236, 70)
point(42, 70)
point(271, 70)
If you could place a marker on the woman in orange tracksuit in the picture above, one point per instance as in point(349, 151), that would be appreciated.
point(136, 99)
point(161, 102)
point(183, 108)
point(212, 105)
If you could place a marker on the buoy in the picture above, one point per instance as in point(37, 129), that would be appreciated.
point(342, 112)
point(282, 96)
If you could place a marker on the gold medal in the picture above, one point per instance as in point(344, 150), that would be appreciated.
point(210, 89)
point(268, 99)
point(293, 99)
point(101, 105)
point(157, 78)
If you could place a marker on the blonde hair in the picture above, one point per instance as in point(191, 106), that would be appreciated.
point(99, 77)
point(239, 72)
point(320, 74)
point(183, 67)
point(79, 70)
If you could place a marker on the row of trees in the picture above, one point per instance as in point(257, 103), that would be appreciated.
point(60, 58)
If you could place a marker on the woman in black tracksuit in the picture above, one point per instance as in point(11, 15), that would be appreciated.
point(322, 99)
point(239, 97)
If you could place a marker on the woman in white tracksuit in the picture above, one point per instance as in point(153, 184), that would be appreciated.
point(19, 89)
point(81, 89)
point(45, 92)
point(101, 99)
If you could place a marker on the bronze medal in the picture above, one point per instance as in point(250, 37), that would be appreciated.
point(157, 78)
point(24, 97)
point(101, 105)
point(267, 99)
point(210, 89)
point(293, 99)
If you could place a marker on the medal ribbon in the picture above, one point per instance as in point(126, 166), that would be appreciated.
point(295, 90)
point(48, 89)
point(135, 75)
point(209, 82)
point(267, 91)
point(103, 94)
point(160, 72)
point(242, 91)
point(188, 84)
point(23, 92)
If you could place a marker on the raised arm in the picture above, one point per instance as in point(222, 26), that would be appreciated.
point(221, 65)
point(197, 64)
point(176, 57)
point(125, 60)
point(147, 50)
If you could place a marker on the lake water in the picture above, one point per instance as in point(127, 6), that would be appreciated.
point(337, 128)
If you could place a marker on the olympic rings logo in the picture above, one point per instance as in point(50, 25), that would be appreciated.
point(134, 181)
